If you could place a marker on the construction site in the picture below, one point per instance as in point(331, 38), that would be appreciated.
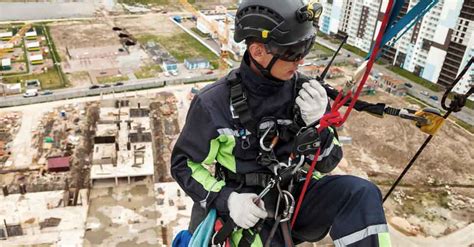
point(118, 150)
point(96, 171)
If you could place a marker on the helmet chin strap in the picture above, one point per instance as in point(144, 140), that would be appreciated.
point(266, 72)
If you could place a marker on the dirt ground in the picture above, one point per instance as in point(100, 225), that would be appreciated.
point(95, 48)
point(78, 79)
point(76, 34)
point(436, 196)
point(155, 24)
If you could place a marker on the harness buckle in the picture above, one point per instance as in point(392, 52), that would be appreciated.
point(238, 97)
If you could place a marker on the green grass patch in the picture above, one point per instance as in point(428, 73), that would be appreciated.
point(322, 49)
point(181, 46)
point(355, 50)
point(146, 2)
point(416, 79)
point(201, 34)
point(25, 57)
point(148, 71)
point(144, 38)
point(54, 55)
point(52, 46)
point(463, 124)
point(49, 79)
point(413, 101)
point(327, 37)
point(111, 79)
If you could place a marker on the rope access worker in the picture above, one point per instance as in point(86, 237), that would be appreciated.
point(248, 123)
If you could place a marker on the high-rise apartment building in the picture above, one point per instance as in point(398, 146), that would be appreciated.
point(436, 48)
point(355, 18)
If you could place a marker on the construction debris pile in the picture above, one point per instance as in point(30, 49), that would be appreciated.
point(80, 165)
point(9, 126)
point(58, 133)
point(60, 146)
point(165, 130)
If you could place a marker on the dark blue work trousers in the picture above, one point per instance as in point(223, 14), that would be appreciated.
point(348, 207)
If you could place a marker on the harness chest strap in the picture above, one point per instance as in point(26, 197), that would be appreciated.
point(242, 114)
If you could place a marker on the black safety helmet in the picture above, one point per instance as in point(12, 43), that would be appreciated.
point(286, 27)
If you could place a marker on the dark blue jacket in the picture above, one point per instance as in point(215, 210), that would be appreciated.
point(210, 135)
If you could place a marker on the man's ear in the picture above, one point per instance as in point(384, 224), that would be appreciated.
point(258, 52)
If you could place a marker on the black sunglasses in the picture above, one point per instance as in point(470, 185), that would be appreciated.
point(291, 53)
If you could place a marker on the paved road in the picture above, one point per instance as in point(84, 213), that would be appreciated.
point(68, 93)
point(467, 115)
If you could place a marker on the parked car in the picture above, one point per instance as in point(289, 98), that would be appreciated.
point(118, 84)
point(424, 93)
point(408, 84)
point(47, 92)
point(210, 72)
point(30, 93)
point(434, 97)
point(94, 86)
point(105, 86)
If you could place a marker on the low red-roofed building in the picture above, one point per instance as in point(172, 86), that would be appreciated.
point(58, 164)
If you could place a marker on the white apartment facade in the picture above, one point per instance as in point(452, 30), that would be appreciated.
point(436, 48)
point(356, 18)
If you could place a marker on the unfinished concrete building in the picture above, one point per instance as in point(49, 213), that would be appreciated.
point(122, 144)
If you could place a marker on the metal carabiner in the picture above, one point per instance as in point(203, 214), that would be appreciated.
point(290, 205)
point(272, 144)
point(459, 100)
point(299, 165)
point(266, 190)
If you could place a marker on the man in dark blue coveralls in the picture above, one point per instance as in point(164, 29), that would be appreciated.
point(278, 34)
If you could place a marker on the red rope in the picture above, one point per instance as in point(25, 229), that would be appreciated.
point(333, 118)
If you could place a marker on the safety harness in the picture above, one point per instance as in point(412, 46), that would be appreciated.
point(280, 176)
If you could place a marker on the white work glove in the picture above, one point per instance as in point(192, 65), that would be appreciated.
point(312, 101)
point(243, 209)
